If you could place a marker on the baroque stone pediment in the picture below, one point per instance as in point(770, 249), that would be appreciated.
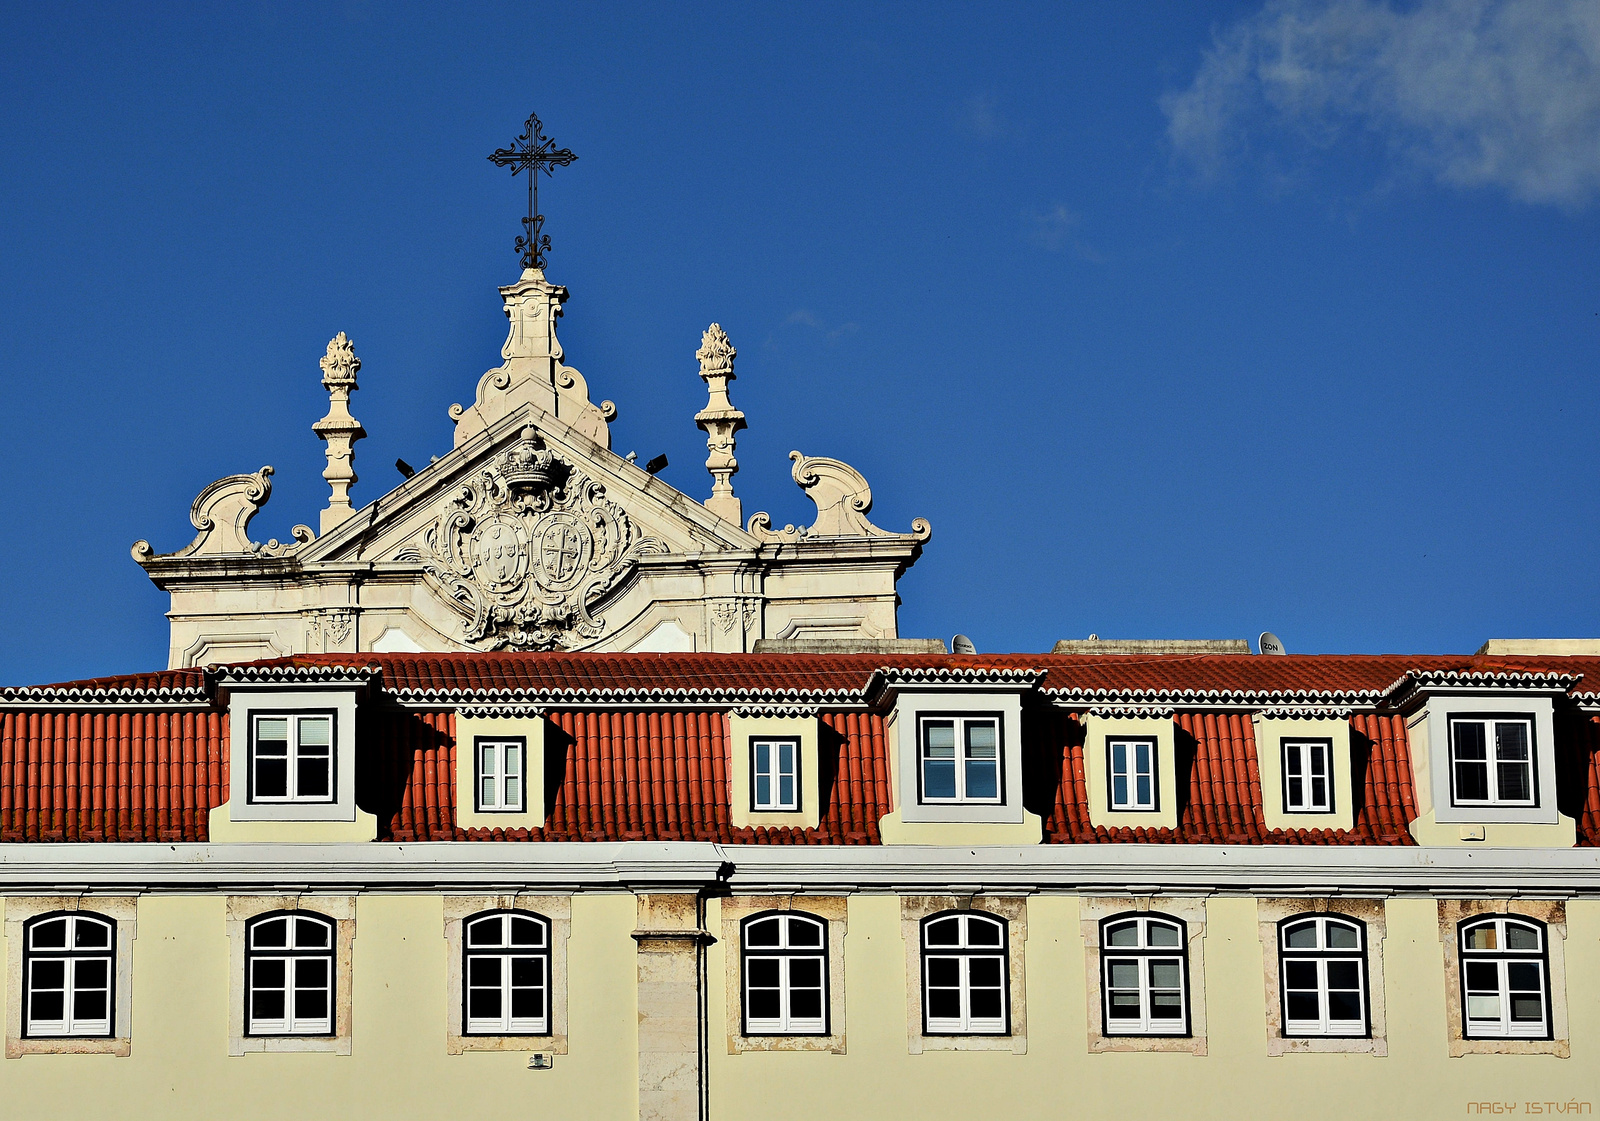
point(526, 548)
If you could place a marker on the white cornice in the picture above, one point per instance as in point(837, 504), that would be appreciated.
point(1107, 869)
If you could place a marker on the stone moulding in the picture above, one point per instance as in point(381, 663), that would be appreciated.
point(843, 500)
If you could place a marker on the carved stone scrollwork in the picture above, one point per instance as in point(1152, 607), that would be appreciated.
point(843, 500)
point(222, 513)
point(527, 547)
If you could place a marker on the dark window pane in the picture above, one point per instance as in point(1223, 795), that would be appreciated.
point(805, 1004)
point(49, 974)
point(484, 932)
point(983, 778)
point(483, 971)
point(763, 933)
point(939, 778)
point(271, 933)
point(1511, 740)
point(1343, 975)
point(1469, 740)
point(1303, 1006)
point(313, 778)
point(1123, 934)
point(527, 1003)
point(945, 932)
point(1300, 974)
point(526, 932)
point(1123, 1006)
point(985, 1004)
point(310, 1004)
point(47, 1005)
point(267, 973)
point(272, 778)
point(1527, 1009)
point(1515, 782)
point(266, 1004)
point(1522, 976)
point(90, 935)
point(1166, 1006)
point(90, 975)
point(527, 971)
point(762, 972)
point(805, 972)
point(1472, 781)
point(89, 1005)
point(50, 935)
point(984, 971)
point(1519, 937)
point(310, 934)
point(982, 932)
point(764, 1004)
point(944, 971)
point(803, 932)
point(1344, 1006)
point(1483, 976)
point(1341, 937)
point(311, 973)
point(944, 1004)
point(483, 1004)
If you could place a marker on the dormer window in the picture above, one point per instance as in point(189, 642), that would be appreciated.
point(1307, 776)
point(775, 775)
point(1491, 761)
point(1132, 772)
point(500, 770)
point(960, 759)
point(291, 757)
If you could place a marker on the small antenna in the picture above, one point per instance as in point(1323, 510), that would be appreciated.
point(404, 468)
point(657, 465)
point(961, 644)
point(1270, 643)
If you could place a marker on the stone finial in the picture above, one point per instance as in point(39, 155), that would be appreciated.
point(339, 429)
point(720, 421)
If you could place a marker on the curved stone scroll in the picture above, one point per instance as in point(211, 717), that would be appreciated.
point(843, 501)
point(222, 513)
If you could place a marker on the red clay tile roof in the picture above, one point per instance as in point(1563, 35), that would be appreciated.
point(647, 736)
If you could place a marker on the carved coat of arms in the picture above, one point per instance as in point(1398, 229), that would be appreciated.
point(527, 547)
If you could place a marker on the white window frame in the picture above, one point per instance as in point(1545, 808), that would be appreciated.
point(774, 774)
point(786, 953)
point(71, 957)
point(1320, 955)
point(295, 959)
point(505, 954)
point(964, 953)
point(506, 779)
point(294, 719)
point(1130, 774)
point(960, 759)
point(1298, 755)
point(1492, 762)
point(1501, 958)
point(1144, 956)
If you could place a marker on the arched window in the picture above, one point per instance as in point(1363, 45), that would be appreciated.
point(1144, 975)
point(68, 969)
point(288, 963)
point(785, 971)
point(1323, 967)
point(964, 974)
point(507, 974)
point(1505, 979)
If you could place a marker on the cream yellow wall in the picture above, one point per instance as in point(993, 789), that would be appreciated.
point(180, 1067)
point(877, 1076)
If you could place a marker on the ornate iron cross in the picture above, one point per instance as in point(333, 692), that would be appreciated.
point(532, 152)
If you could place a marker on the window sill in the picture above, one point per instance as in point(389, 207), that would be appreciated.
point(895, 831)
point(531, 1044)
point(121, 1047)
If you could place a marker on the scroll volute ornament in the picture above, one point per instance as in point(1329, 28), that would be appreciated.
point(222, 513)
point(843, 500)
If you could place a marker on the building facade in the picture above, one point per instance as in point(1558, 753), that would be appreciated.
point(733, 885)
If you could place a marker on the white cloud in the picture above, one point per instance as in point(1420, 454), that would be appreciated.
point(1499, 93)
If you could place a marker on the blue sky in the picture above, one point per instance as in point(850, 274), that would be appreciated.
point(1176, 320)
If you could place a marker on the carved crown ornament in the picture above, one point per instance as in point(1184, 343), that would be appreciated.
point(527, 547)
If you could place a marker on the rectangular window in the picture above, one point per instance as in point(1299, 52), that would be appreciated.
point(960, 759)
point(1133, 774)
point(775, 775)
point(499, 774)
point(1308, 776)
point(291, 757)
point(1491, 761)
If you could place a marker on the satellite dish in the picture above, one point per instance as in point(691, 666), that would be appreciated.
point(1270, 643)
point(961, 644)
